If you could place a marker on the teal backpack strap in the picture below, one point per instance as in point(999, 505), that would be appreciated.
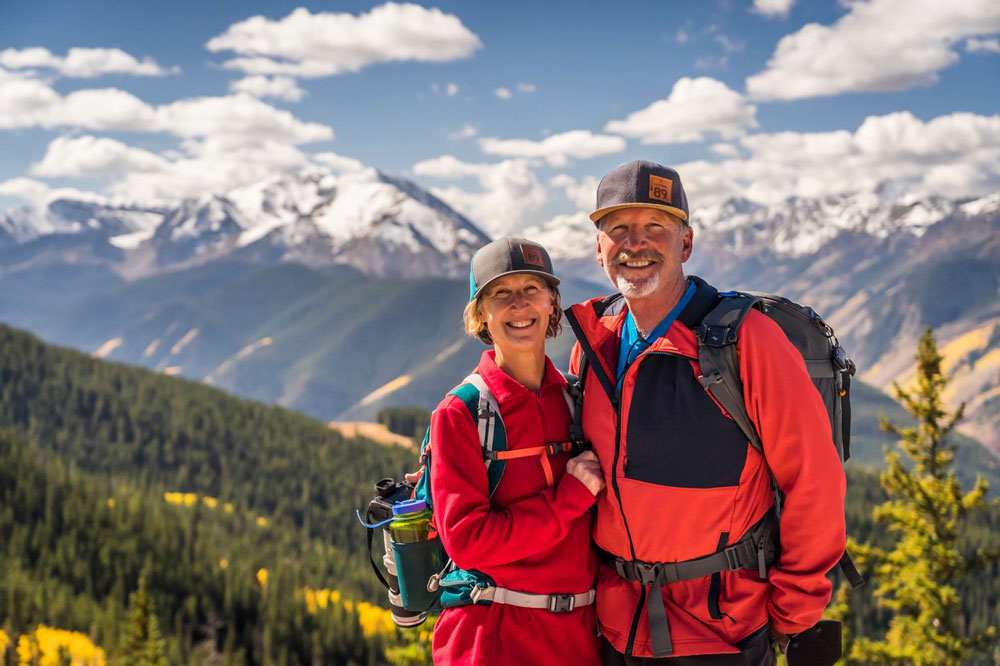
point(720, 367)
point(486, 413)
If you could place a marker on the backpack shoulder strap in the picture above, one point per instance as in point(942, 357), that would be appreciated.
point(485, 411)
point(720, 367)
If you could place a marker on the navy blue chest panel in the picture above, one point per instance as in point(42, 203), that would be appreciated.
point(676, 435)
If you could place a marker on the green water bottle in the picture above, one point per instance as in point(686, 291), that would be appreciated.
point(411, 521)
point(417, 556)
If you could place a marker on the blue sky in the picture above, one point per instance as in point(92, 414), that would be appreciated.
point(508, 111)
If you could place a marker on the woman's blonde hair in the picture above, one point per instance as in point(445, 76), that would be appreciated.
point(475, 323)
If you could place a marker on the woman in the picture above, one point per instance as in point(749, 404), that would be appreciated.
point(533, 535)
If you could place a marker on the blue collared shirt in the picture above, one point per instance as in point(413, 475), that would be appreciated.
point(633, 344)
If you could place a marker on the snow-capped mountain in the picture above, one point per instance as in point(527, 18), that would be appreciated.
point(377, 223)
point(797, 227)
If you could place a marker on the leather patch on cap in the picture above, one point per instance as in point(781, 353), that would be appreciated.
point(532, 256)
point(660, 188)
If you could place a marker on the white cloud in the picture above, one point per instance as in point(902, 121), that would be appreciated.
point(582, 193)
point(503, 93)
point(211, 165)
point(280, 87)
point(682, 36)
point(451, 89)
point(39, 194)
point(974, 45)
point(526, 87)
point(88, 156)
point(339, 163)
point(556, 149)
point(724, 149)
point(304, 44)
point(778, 8)
point(82, 63)
point(26, 102)
point(695, 108)
point(955, 155)
point(510, 196)
point(33, 191)
point(467, 132)
point(237, 116)
point(878, 45)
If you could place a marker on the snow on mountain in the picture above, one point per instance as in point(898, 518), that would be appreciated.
point(386, 225)
point(18, 225)
point(793, 228)
point(381, 224)
point(375, 222)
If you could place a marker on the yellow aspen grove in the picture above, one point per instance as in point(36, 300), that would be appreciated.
point(46, 646)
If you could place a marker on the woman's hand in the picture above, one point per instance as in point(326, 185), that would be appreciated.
point(586, 468)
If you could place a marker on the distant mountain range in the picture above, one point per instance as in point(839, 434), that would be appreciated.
point(879, 270)
point(382, 225)
point(337, 294)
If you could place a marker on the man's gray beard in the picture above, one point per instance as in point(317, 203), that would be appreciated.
point(639, 288)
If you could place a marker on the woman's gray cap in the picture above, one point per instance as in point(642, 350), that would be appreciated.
point(505, 256)
point(641, 184)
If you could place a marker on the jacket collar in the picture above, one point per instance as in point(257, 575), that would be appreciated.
point(505, 387)
point(601, 320)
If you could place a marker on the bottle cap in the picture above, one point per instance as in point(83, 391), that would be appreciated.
point(408, 506)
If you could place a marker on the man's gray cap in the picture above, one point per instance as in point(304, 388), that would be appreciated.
point(641, 184)
point(505, 256)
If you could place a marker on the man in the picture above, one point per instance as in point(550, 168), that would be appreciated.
point(690, 570)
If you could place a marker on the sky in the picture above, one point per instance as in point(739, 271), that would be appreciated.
point(509, 111)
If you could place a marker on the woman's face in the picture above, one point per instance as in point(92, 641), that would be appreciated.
point(516, 309)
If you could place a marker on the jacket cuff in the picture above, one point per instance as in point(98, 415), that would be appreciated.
point(574, 495)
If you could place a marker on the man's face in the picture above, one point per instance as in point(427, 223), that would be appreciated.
point(642, 249)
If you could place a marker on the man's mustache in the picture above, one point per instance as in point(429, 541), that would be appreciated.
point(650, 255)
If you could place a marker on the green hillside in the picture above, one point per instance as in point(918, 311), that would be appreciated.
point(114, 421)
point(107, 470)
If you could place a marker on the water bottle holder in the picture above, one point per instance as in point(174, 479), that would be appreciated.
point(415, 564)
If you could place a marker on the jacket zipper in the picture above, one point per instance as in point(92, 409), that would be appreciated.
point(630, 645)
point(616, 403)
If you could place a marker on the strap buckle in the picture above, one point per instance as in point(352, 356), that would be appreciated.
point(561, 603)
point(716, 336)
point(481, 593)
point(648, 572)
point(733, 557)
point(713, 378)
point(554, 449)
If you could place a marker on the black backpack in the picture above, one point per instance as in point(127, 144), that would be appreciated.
point(830, 369)
point(826, 361)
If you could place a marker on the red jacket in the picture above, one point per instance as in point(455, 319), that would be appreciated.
point(529, 537)
point(684, 482)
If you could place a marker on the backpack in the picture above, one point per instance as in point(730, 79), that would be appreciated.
point(826, 361)
point(463, 586)
point(717, 330)
point(485, 411)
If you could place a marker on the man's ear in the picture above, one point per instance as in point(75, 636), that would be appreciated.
point(687, 243)
point(600, 258)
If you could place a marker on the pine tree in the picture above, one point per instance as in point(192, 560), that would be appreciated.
point(926, 507)
point(143, 644)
